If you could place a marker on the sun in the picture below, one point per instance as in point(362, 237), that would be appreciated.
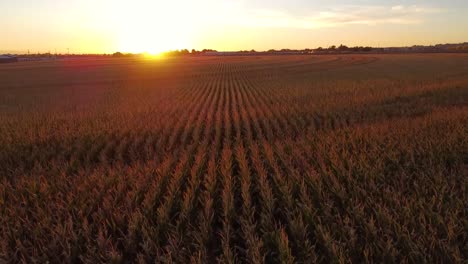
point(152, 41)
point(154, 29)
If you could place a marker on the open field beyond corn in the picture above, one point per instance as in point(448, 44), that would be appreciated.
point(282, 159)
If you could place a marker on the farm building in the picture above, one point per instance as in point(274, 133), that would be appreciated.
point(8, 59)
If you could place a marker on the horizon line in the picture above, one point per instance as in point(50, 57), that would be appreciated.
point(13, 52)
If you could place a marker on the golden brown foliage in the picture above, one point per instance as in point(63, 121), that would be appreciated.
point(279, 159)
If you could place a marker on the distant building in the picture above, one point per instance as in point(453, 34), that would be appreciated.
point(8, 59)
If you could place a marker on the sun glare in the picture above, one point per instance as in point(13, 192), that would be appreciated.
point(155, 28)
point(153, 56)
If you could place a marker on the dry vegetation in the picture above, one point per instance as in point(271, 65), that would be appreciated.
point(285, 159)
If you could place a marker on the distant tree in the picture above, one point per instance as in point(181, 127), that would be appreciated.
point(332, 47)
point(118, 54)
point(208, 50)
point(342, 47)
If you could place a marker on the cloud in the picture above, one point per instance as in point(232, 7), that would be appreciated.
point(414, 9)
point(335, 17)
point(398, 8)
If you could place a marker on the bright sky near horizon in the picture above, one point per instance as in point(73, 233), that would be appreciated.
point(106, 26)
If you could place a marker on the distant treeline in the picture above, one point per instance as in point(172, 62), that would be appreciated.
point(345, 48)
point(182, 52)
point(341, 49)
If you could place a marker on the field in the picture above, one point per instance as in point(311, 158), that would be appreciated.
point(282, 159)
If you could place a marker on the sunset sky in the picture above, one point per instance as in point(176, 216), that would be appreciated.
point(90, 26)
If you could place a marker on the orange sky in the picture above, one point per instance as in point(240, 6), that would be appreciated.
point(154, 26)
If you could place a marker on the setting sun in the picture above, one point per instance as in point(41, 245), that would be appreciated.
point(152, 28)
point(146, 41)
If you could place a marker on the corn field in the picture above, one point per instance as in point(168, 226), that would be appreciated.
point(277, 159)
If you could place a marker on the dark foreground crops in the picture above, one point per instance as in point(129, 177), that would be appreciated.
point(238, 160)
